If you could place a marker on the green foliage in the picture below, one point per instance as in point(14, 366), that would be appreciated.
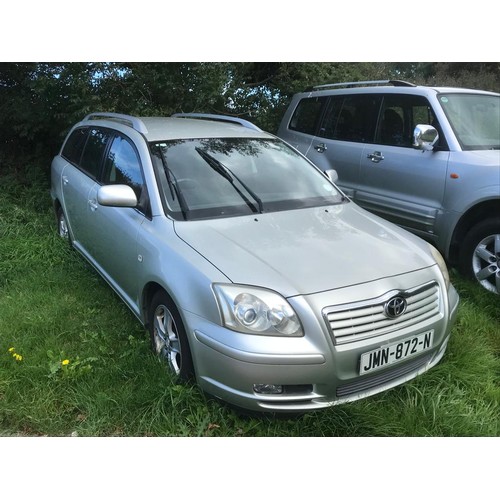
point(40, 101)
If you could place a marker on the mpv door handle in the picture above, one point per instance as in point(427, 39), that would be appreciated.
point(93, 205)
point(375, 157)
point(65, 180)
point(320, 148)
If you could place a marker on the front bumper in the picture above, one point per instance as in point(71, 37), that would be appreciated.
point(315, 372)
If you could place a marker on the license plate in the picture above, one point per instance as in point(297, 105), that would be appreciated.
point(395, 353)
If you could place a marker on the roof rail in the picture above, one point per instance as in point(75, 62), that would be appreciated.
point(220, 118)
point(130, 121)
point(395, 83)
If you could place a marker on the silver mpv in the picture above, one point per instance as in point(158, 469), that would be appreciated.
point(250, 269)
point(425, 158)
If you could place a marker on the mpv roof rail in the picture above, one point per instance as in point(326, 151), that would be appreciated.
point(220, 118)
point(130, 121)
point(395, 83)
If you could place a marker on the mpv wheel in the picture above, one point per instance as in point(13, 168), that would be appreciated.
point(480, 257)
point(168, 336)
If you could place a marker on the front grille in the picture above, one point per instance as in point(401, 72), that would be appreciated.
point(357, 321)
point(365, 384)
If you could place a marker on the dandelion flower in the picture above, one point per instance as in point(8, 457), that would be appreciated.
point(65, 362)
point(11, 349)
point(18, 357)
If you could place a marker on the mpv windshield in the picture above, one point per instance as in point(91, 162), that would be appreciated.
point(224, 177)
point(475, 119)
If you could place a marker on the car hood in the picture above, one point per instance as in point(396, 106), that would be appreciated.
point(308, 250)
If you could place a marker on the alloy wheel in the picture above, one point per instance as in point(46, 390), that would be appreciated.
point(486, 263)
point(166, 338)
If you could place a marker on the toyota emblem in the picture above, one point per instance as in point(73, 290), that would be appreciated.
point(395, 307)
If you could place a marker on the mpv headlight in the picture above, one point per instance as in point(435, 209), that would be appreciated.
point(255, 310)
point(442, 264)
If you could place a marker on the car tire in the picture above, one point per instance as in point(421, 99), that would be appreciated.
point(480, 254)
point(168, 336)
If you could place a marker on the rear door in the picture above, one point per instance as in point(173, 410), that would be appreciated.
point(348, 124)
point(83, 152)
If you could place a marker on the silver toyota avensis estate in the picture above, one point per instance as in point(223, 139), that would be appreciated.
point(250, 269)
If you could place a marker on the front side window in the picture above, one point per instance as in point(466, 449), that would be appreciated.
point(225, 177)
point(399, 116)
point(475, 119)
point(122, 165)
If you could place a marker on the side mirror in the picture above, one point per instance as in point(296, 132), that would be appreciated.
point(116, 195)
point(425, 137)
point(332, 175)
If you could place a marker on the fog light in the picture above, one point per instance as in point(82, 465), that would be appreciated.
point(268, 388)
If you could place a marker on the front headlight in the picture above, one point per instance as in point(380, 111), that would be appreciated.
point(248, 309)
point(442, 264)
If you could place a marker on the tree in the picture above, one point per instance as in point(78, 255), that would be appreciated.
point(40, 101)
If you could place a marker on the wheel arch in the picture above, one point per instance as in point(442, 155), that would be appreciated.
point(482, 211)
point(149, 291)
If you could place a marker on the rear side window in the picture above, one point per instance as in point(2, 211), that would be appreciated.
point(351, 118)
point(73, 147)
point(93, 153)
point(306, 115)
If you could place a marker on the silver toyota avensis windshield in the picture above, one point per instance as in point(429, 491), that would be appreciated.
point(223, 177)
point(253, 274)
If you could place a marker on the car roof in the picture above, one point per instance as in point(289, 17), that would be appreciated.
point(376, 88)
point(181, 126)
point(160, 129)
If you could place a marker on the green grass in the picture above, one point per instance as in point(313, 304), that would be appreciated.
point(53, 307)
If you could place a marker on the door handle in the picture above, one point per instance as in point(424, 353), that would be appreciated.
point(93, 205)
point(65, 180)
point(375, 157)
point(320, 148)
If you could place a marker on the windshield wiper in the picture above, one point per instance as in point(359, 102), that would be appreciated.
point(172, 185)
point(230, 176)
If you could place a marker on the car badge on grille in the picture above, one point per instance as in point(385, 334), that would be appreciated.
point(395, 307)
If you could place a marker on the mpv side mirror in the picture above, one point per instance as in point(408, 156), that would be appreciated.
point(425, 137)
point(117, 195)
point(332, 175)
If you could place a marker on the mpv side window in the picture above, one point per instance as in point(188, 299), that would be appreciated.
point(306, 115)
point(122, 166)
point(399, 116)
point(94, 150)
point(351, 118)
point(72, 150)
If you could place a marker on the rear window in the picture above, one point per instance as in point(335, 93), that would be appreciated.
point(85, 148)
point(351, 118)
point(93, 153)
